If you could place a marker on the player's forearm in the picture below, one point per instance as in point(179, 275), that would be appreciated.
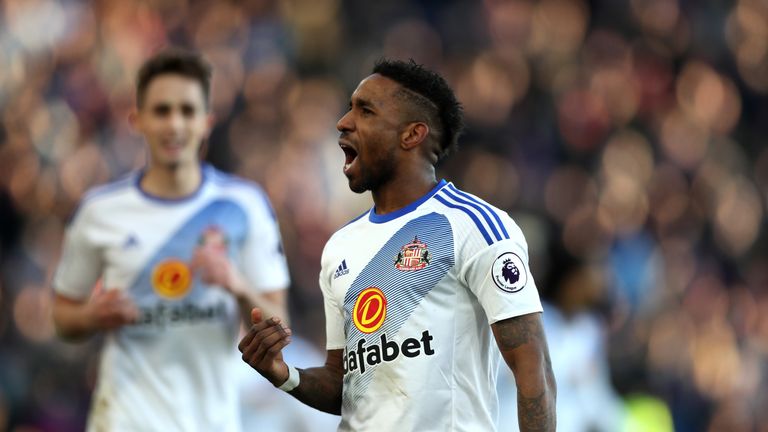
point(536, 395)
point(72, 321)
point(320, 388)
point(271, 305)
point(524, 347)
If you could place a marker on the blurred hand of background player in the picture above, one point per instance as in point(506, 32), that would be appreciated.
point(110, 309)
point(215, 268)
point(262, 347)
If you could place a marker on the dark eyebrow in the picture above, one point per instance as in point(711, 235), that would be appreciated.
point(161, 106)
point(360, 102)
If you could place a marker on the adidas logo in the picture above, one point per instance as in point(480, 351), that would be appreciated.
point(130, 242)
point(341, 270)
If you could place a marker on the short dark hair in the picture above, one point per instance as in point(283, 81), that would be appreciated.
point(432, 95)
point(175, 61)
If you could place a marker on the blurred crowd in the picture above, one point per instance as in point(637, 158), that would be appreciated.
point(626, 137)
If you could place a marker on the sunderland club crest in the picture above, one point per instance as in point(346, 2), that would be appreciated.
point(413, 256)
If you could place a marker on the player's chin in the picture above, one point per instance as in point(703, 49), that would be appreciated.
point(170, 163)
point(356, 184)
point(176, 161)
point(164, 157)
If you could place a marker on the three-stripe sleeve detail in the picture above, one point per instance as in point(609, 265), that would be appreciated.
point(476, 210)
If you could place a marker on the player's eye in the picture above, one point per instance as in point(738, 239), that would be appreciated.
point(187, 110)
point(161, 110)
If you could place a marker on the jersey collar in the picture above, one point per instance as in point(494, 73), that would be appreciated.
point(205, 174)
point(386, 217)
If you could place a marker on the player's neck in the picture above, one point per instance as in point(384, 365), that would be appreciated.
point(171, 181)
point(402, 190)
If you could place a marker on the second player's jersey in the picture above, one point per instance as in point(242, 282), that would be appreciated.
point(409, 297)
point(172, 370)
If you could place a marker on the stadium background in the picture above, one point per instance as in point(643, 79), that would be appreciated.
point(627, 138)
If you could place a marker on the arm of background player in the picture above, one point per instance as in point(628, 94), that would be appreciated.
point(105, 310)
point(216, 268)
point(524, 347)
point(318, 387)
point(273, 304)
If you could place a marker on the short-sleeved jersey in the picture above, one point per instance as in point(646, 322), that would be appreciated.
point(409, 297)
point(172, 370)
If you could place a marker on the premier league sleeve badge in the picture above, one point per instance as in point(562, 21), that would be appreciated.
point(509, 273)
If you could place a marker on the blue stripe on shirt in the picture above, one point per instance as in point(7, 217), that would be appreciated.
point(470, 214)
point(478, 208)
point(471, 198)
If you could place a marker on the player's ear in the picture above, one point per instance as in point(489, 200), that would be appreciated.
point(413, 135)
point(134, 120)
point(210, 121)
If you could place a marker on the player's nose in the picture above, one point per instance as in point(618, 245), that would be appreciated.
point(174, 123)
point(345, 123)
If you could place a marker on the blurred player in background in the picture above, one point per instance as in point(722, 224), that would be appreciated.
point(586, 400)
point(417, 288)
point(183, 252)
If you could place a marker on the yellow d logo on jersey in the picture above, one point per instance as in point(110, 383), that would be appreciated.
point(370, 310)
point(172, 279)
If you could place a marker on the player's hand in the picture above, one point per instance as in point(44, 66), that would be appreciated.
point(262, 347)
point(215, 268)
point(111, 309)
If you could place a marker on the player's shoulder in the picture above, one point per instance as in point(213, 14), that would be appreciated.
point(340, 240)
point(351, 227)
point(474, 215)
point(125, 183)
point(232, 182)
point(245, 191)
point(104, 195)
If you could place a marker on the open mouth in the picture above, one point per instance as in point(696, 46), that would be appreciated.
point(173, 145)
point(350, 155)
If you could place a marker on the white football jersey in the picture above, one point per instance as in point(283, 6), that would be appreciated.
point(409, 297)
point(173, 369)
